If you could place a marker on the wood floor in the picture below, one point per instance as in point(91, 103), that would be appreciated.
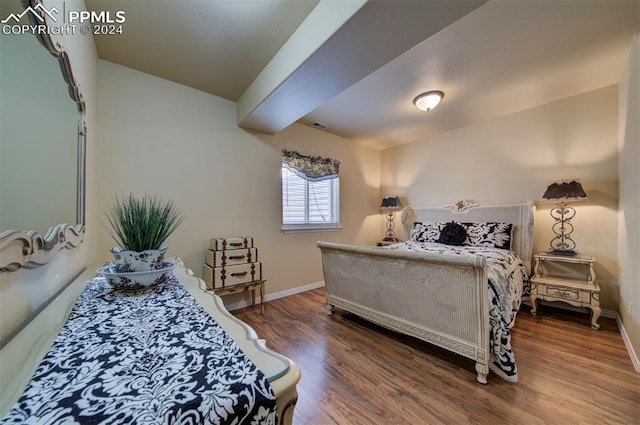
point(354, 372)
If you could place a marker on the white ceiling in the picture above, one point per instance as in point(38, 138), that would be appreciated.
point(490, 59)
point(218, 46)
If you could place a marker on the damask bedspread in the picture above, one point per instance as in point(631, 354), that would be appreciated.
point(508, 280)
point(146, 357)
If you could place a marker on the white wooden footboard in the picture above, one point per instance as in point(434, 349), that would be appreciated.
point(440, 299)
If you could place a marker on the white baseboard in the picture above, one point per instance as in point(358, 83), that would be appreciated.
point(627, 343)
point(275, 295)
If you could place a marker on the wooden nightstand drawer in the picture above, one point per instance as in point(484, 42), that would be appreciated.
point(565, 294)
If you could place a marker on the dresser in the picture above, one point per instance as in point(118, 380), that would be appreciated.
point(20, 357)
point(232, 266)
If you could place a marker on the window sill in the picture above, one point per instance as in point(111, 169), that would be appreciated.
point(305, 228)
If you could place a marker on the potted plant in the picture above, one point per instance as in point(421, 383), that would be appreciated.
point(140, 226)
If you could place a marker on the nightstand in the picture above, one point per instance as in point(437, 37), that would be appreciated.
point(386, 243)
point(551, 282)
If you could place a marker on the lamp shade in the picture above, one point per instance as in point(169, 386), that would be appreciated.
point(565, 191)
point(428, 100)
point(390, 203)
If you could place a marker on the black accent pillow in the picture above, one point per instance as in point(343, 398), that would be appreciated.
point(453, 234)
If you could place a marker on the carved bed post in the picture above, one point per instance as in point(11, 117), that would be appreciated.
point(483, 371)
point(407, 217)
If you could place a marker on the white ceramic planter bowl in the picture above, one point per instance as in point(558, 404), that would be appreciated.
point(137, 280)
point(126, 261)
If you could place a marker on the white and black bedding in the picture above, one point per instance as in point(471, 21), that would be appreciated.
point(448, 299)
point(144, 357)
point(508, 280)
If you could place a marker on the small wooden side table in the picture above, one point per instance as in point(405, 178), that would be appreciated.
point(386, 243)
point(250, 286)
point(579, 292)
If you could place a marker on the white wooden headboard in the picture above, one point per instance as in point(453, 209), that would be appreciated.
point(520, 215)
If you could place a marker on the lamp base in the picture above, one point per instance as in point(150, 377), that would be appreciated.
point(390, 239)
point(563, 253)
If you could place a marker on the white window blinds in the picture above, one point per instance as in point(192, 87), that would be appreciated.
point(310, 193)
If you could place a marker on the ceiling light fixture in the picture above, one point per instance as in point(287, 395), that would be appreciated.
point(428, 100)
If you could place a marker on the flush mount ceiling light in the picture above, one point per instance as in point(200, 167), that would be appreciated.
point(428, 100)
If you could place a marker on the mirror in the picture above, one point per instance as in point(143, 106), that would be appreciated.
point(41, 146)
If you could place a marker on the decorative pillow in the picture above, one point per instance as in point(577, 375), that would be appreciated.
point(426, 232)
point(453, 234)
point(496, 235)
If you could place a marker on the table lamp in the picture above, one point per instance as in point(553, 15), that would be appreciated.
point(562, 192)
point(390, 204)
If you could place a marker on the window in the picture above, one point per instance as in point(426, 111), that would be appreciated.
point(309, 203)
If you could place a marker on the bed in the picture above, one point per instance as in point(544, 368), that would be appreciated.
point(442, 296)
point(221, 372)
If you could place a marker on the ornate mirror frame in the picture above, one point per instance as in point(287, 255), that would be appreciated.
point(28, 248)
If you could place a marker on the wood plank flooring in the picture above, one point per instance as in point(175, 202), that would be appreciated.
point(354, 372)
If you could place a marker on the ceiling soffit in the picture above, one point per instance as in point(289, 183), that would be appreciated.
point(376, 34)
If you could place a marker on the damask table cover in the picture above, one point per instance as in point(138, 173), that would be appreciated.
point(151, 356)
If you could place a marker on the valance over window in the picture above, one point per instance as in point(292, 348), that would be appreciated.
point(310, 168)
point(310, 193)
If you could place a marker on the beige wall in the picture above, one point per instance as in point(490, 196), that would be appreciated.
point(512, 159)
point(629, 214)
point(161, 137)
point(23, 293)
point(183, 144)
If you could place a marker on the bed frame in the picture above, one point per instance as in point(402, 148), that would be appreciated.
point(440, 299)
point(20, 357)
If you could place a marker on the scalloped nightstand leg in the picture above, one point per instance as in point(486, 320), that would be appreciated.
point(533, 305)
point(594, 319)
